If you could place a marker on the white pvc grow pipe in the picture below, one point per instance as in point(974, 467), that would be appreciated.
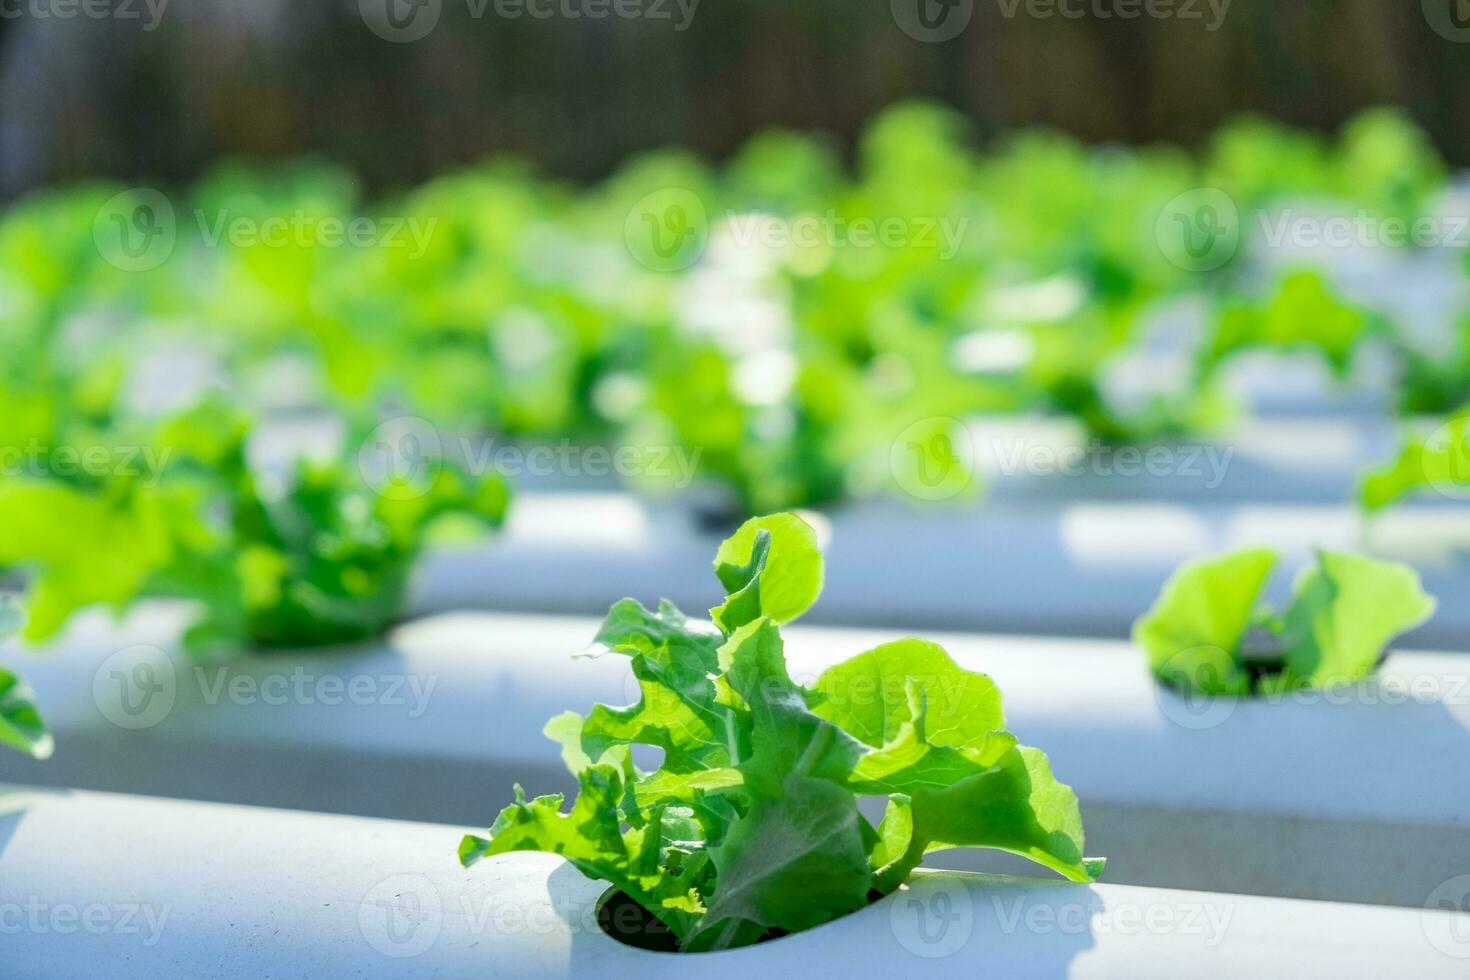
point(1354, 796)
point(123, 887)
point(1029, 567)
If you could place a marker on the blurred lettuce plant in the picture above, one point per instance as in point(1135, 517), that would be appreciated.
point(1437, 460)
point(782, 314)
point(318, 555)
point(21, 726)
point(1345, 609)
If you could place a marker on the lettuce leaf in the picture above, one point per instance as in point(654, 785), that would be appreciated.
point(21, 726)
point(1303, 314)
point(1193, 633)
point(771, 566)
point(750, 827)
point(1439, 461)
point(1344, 611)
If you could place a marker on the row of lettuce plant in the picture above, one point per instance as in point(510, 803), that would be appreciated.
point(495, 301)
point(1016, 278)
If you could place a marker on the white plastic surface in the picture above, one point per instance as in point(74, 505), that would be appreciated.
point(1023, 565)
point(125, 887)
point(1356, 795)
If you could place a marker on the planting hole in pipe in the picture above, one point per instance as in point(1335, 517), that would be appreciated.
point(622, 918)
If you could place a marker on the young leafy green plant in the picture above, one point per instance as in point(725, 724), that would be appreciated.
point(1439, 461)
point(1344, 611)
point(316, 556)
point(750, 828)
point(1303, 314)
point(21, 727)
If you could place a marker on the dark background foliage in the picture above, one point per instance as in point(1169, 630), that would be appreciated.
point(276, 78)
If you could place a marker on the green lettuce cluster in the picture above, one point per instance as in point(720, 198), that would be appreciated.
point(1439, 460)
point(1304, 314)
point(313, 556)
point(751, 827)
point(1016, 275)
point(1201, 634)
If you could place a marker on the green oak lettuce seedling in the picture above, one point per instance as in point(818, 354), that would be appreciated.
point(1344, 611)
point(312, 557)
point(1303, 314)
point(1438, 461)
point(750, 827)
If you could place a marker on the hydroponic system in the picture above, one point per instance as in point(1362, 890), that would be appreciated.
point(403, 578)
